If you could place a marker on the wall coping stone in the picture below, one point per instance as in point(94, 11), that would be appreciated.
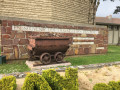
point(49, 22)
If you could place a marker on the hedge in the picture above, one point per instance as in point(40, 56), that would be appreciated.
point(57, 82)
point(102, 86)
point(72, 78)
point(8, 83)
point(0, 84)
point(35, 82)
point(114, 85)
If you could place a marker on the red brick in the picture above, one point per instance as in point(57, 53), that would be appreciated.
point(1, 48)
point(23, 41)
point(76, 27)
point(16, 23)
point(22, 23)
point(55, 25)
point(10, 23)
point(13, 33)
point(6, 50)
point(4, 24)
point(28, 34)
point(49, 26)
point(5, 36)
point(28, 23)
point(16, 41)
point(6, 42)
point(3, 30)
point(20, 35)
point(70, 27)
point(61, 26)
point(4, 21)
point(8, 30)
point(65, 26)
point(43, 25)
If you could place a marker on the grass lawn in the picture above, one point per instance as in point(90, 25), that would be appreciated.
point(112, 56)
point(16, 66)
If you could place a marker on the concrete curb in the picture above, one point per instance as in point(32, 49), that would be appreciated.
point(61, 69)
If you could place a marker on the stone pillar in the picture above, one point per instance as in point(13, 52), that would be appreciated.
point(119, 36)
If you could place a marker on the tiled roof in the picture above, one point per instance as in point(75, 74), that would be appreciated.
point(107, 20)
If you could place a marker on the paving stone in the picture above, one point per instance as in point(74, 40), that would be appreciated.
point(81, 67)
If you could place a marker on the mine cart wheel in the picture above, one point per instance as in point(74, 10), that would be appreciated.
point(45, 58)
point(59, 57)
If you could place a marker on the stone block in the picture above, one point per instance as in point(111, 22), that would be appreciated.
point(23, 41)
point(12, 56)
point(25, 56)
point(20, 35)
point(23, 49)
point(76, 51)
point(83, 35)
point(70, 52)
point(16, 52)
point(81, 51)
point(93, 48)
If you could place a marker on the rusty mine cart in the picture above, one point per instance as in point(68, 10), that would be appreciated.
point(47, 49)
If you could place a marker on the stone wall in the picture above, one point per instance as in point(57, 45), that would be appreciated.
point(70, 11)
point(86, 39)
point(0, 36)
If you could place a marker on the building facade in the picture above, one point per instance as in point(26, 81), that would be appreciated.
point(20, 19)
point(113, 25)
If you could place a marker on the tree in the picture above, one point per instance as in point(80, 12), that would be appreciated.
point(117, 10)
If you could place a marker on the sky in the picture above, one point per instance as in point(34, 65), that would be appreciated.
point(107, 8)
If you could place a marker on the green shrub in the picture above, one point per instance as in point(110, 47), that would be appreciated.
point(72, 78)
point(114, 85)
point(35, 82)
point(57, 82)
point(8, 83)
point(0, 84)
point(102, 86)
point(54, 79)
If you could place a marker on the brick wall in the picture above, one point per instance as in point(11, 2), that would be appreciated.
point(70, 11)
point(14, 42)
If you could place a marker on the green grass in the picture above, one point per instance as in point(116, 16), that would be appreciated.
point(112, 56)
point(16, 66)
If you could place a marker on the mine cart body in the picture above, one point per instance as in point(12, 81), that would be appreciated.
point(47, 47)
